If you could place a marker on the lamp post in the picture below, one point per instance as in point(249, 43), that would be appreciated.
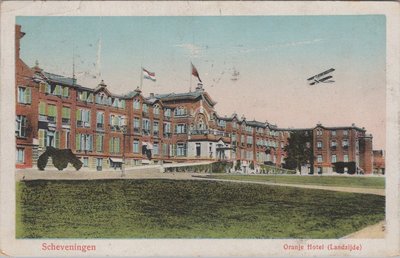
point(124, 130)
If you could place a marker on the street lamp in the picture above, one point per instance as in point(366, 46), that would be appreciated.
point(124, 130)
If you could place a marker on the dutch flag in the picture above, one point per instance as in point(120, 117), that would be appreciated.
point(149, 75)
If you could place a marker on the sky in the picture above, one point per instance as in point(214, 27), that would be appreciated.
point(274, 56)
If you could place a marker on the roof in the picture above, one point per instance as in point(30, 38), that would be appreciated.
point(178, 96)
point(256, 123)
point(60, 79)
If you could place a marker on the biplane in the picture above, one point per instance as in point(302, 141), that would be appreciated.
point(323, 77)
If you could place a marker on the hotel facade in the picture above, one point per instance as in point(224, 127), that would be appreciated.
point(105, 130)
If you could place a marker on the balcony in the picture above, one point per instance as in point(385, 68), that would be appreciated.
point(207, 131)
point(145, 131)
point(155, 133)
point(82, 124)
point(167, 135)
point(66, 121)
point(136, 130)
point(100, 126)
point(145, 113)
point(333, 148)
point(167, 118)
point(43, 118)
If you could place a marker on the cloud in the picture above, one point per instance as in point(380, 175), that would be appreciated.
point(194, 50)
point(283, 45)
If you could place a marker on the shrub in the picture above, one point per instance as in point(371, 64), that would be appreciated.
point(60, 158)
point(42, 161)
point(238, 165)
point(221, 166)
point(251, 165)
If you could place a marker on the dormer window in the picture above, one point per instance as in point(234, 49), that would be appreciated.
point(156, 109)
point(180, 111)
point(136, 104)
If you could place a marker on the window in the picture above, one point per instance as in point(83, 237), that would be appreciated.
point(345, 143)
point(100, 120)
point(82, 95)
point(165, 148)
point(135, 146)
point(180, 111)
point(145, 108)
point(155, 127)
point(114, 145)
point(83, 142)
point(180, 128)
point(167, 112)
point(24, 95)
point(66, 115)
point(319, 158)
point(333, 144)
point(167, 127)
point(156, 110)
point(42, 108)
point(52, 113)
point(136, 124)
point(20, 126)
point(85, 161)
point(222, 123)
point(83, 118)
point(345, 158)
point(136, 104)
point(20, 155)
point(99, 142)
point(319, 144)
point(250, 140)
point(146, 126)
point(90, 98)
point(117, 122)
point(181, 149)
point(319, 132)
point(333, 158)
point(67, 139)
point(65, 92)
point(333, 133)
point(345, 132)
point(155, 148)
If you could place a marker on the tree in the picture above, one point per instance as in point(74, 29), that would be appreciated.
point(238, 165)
point(251, 166)
point(299, 150)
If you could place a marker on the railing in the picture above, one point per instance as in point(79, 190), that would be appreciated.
point(100, 126)
point(65, 121)
point(136, 130)
point(51, 119)
point(42, 118)
point(209, 131)
point(167, 135)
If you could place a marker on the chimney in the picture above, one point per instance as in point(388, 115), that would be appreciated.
point(152, 95)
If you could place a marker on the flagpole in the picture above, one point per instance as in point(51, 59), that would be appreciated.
point(141, 77)
point(190, 85)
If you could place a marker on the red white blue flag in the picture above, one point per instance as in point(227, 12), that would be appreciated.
point(149, 75)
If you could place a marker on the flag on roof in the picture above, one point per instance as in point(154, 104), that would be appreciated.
point(195, 72)
point(149, 75)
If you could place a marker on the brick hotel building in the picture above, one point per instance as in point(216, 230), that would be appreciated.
point(104, 129)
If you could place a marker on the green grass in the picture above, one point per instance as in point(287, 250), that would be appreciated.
point(155, 208)
point(342, 181)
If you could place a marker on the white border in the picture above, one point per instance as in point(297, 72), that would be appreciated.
point(189, 247)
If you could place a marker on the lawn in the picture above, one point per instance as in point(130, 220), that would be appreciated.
point(343, 181)
point(156, 208)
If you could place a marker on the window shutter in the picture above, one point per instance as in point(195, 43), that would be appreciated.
point(79, 115)
point(110, 145)
point(57, 136)
point(42, 87)
point(41, 137)
point(78, 141)
point(28, 96)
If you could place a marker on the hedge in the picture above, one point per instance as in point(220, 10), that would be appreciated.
point(60, 158)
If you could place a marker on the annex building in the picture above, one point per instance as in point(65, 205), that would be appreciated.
point(105, 130)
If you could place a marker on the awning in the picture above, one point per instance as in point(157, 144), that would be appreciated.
point(116, 160)
point(148, 145)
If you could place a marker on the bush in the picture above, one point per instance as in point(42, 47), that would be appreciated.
point(42, 161)
point(221, 166)
point(60, 158)
point(238, 165)
point(251, 166)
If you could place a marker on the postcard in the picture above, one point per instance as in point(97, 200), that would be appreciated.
point(207, 129)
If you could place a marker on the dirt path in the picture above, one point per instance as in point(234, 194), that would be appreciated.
point(370, 232)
